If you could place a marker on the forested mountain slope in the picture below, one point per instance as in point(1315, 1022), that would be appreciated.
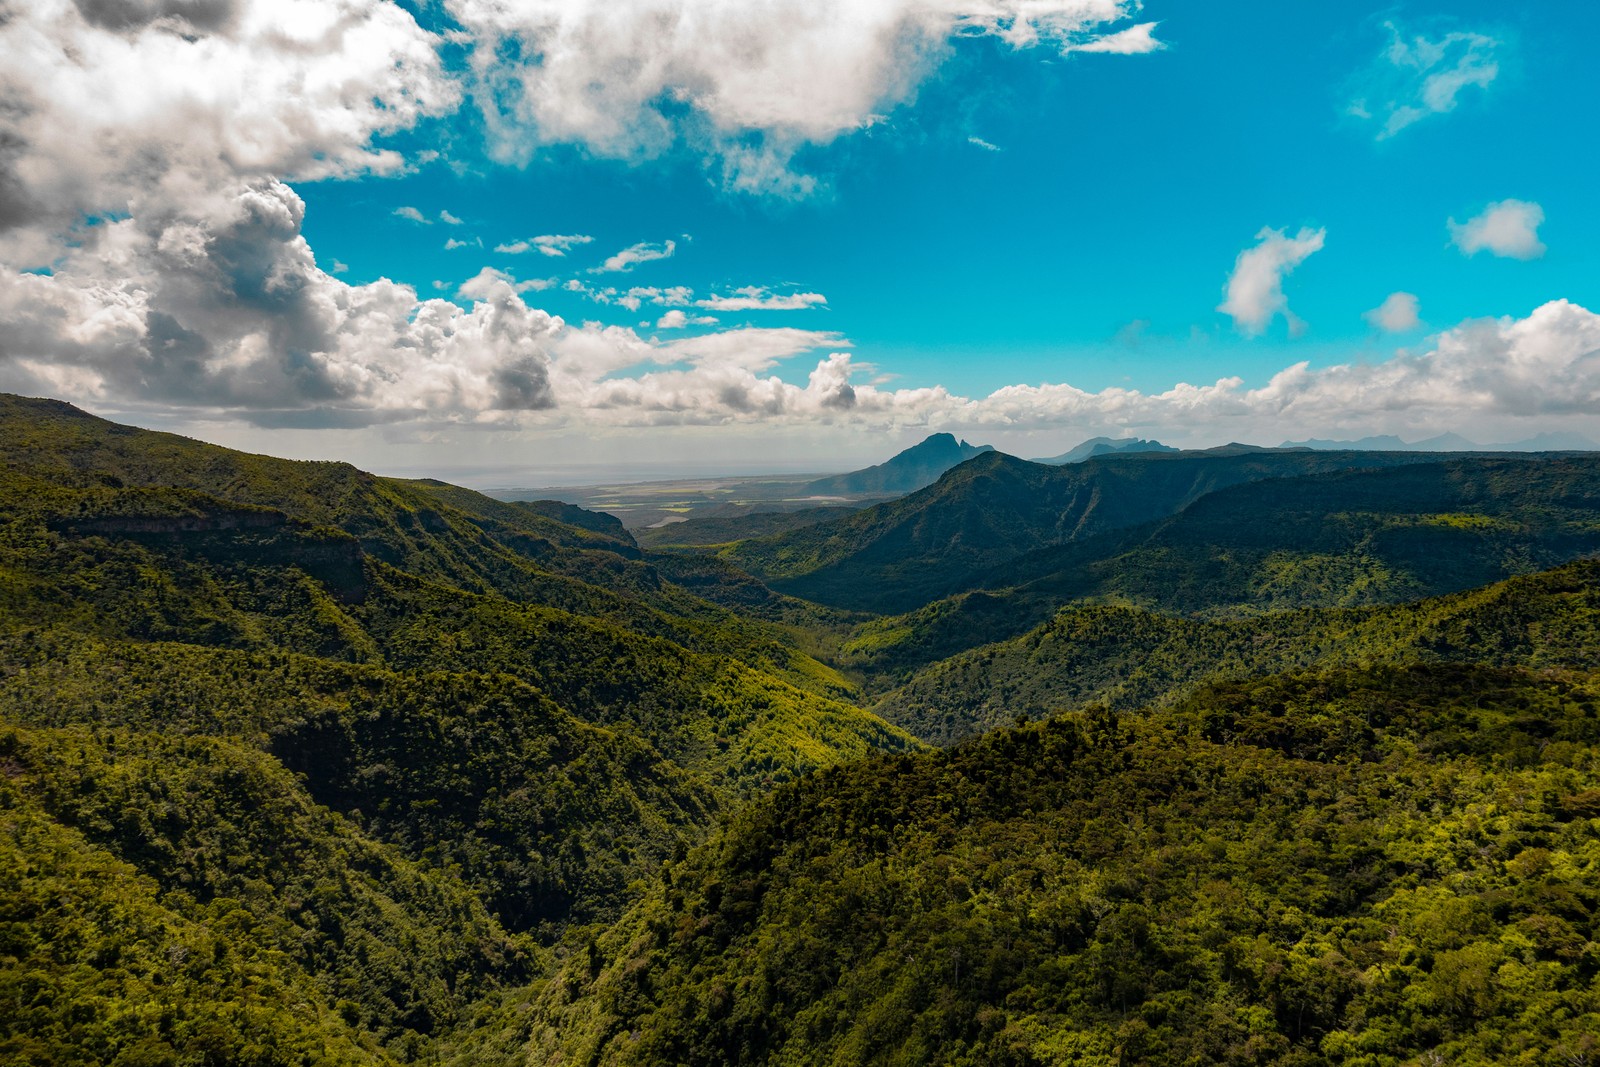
point(1339, 539)
point(1124, 657)
point(722, 529)
point(901, 554)
point(170, 896)
point(367, 745)
point(300, 765)
point(81, 476)
point(1380, 867)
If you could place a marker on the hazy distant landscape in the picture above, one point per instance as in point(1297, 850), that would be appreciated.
point(650, 508)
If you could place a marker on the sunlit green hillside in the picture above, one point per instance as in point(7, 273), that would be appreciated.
point(300, 765)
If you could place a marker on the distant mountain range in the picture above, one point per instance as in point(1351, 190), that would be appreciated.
point(916, 467)
point(1102, 446)
point(898, 555)
point(922, 464)
point(1450, 442)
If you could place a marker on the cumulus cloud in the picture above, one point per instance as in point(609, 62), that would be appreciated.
point(712, 379)
point(748, 85)
point(631, 257)
point(149, 148)
point(230, 312)
point(1397, 314)
point(234, 316)
point(1418, 76)
point(488, 280)
point(1542, 367)
point(1255, 288)
point(755, 298)
point(1508, 228)
point(639, 295)
point(167, 107)
point(677, 320)
point(411, 213)
point(745, 298)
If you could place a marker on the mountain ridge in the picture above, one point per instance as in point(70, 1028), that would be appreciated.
point(905, 472)
point(1100, 446)
point(1124, 657)
point(900, 554)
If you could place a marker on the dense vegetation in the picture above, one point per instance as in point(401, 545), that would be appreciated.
point(1384, 867)
point(369, 745)
point(995, 508)
point(1124, 657)
point(300, 765)
point(724, 525)
point(1340, 539)
point(168, 897)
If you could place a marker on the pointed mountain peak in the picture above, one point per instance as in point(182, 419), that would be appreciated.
point(910, 470)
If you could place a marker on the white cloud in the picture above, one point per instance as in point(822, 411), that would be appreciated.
point(635, 298)
point(755, 298)
point(985, 145)
point(1495, 374)
point(230, 313)
point(1397, 314)
point(746, 85)
point(1255, 288)
point(456, 242)
point(147, 108)
point(449, 219)
point(674, 296)
point(232, 316)
point(559, 244)
point(484, 283)
point(173, 126)
point(631, 257)
point(1417, 77)
point(677, 320)
point(1133, 41)
point(1508, 228)
point(411, 213)
point(488, 281)
point(340, 267)
point(550, 244)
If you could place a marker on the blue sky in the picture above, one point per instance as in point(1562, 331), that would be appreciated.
point(1121, 191)
point(1059, 204)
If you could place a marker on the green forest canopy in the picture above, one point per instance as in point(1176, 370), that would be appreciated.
point(303, 765)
